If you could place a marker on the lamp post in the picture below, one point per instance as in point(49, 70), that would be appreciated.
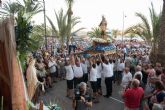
point(45, 25)
point(123, 26)
point(44, 10)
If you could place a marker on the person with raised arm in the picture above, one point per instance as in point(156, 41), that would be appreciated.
point(77, 70)
point(108, 75)
point(69, 77)
point(85, 69)
point(93, 80)
point(99, 75)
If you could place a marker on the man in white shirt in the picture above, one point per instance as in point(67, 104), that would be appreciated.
point(120, 69)
point(52, 68)
point(108, 75)
point(69, 78)
point(93, 81)
point(77, 70)
point(99, 70)
point(126, 79)
point(138, 71)
point(85, 70)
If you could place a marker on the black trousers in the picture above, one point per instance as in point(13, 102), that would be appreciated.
point(85, 77)
point(99, 83)
point(108, 83)
point(77, 81)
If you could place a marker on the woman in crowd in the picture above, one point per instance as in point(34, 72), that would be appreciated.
point(158, 94)
point(42, 74)
point(62, 68)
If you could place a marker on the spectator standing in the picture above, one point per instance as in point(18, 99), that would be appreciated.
point(133, 96)
point(138, 71)
point(126, 79)
point(120, 68)
point(52, 68)
point(158, 94)
point(84, 102)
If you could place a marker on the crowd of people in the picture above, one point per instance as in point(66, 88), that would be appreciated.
point(142, 83)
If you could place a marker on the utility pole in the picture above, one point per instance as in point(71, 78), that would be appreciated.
point(123, 27)
point(46, 46)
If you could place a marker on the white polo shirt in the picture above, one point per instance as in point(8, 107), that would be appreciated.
point(99, 70)
point(111, 66)
point(126, 79)
point(93, 74)
point(69, 72)
point(52, 66)
point(107, 68)
point(120, 66)
point(84, 68)
point(78, 72)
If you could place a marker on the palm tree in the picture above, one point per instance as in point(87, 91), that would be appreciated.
point(9, 8)
point(37, 34)
point(138, 30)
point(61, 31)
point(24, 41)
point(161, 40)
point(69, 14)
point(96, 32)
point(30, 8)
point(148, 32)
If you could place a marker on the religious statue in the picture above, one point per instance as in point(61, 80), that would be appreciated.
point(103, 27)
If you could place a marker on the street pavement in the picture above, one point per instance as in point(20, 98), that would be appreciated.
point(57, 94)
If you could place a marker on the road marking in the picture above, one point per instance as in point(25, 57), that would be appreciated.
point(116, 100)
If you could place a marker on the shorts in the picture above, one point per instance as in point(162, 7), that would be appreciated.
point(94, 86)
point(69, 84)
point(54, 74)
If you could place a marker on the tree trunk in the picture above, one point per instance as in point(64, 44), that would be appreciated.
point(161, 40)
point(69, 24)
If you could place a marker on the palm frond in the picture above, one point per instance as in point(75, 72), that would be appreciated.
point(52, 25)
point(145, 22)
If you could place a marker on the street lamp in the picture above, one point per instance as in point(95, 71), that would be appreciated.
point(44, 24)
point(123, 26)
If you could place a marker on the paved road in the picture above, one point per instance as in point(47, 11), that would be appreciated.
point(58, 92)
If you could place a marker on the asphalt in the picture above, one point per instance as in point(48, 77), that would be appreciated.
point(57, 94)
